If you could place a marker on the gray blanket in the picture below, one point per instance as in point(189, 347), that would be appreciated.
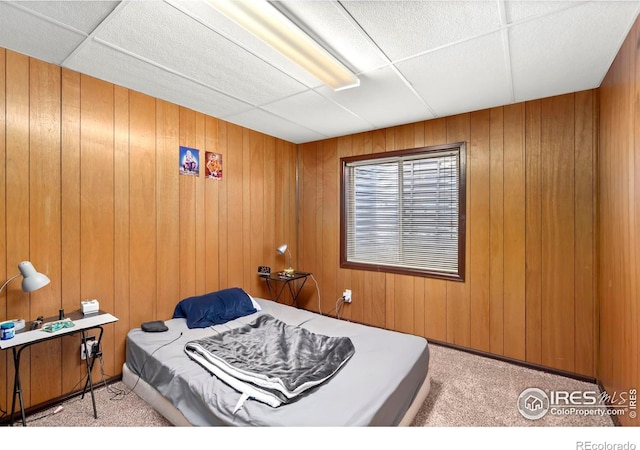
point(269, 360)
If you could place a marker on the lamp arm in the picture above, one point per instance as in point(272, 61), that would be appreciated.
point(8, 281)
point(288, 251)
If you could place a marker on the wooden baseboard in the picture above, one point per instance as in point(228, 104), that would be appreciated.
point(614, 418)
point(517, 362)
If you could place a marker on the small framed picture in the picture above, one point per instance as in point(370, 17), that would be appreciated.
point(213, 166)
point(189, 161)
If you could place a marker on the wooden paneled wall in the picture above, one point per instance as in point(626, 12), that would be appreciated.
point(90, 193)
point(619, 222)
point(530, 286)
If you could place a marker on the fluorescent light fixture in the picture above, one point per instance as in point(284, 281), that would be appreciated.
point(271, 26)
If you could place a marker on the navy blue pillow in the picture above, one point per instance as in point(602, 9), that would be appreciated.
point(214, 308)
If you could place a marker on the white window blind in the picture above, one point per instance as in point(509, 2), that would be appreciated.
point(404, 211)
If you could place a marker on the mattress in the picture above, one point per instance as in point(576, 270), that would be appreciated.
point(377, 387)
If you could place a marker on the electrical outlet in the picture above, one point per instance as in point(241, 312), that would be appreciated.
point(87, 349)
point(346, 295)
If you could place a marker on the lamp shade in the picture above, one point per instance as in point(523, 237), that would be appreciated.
point(282, 249)
point(33, 280)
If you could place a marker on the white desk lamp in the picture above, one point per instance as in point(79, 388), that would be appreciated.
point(33, 280)
point(281, 250)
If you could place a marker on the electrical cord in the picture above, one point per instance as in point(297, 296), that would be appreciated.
point(57, 408)
point(318, 290)
point(43, 416)
point(68, 402)
point(118, 394)
point(339, 304)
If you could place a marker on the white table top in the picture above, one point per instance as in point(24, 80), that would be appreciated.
point(26, 336)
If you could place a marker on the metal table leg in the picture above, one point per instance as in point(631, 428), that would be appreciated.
point(89, 362)
point(17, 388)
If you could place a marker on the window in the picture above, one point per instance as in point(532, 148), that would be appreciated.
point(404, 212)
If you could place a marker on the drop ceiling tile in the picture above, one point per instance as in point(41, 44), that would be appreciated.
point(275, 126)
point(518, 10)
point(569, 51)
point(405, 28)
point(81, 15)
point(332, 26)
point(382, 99)
point(34, 36)
point(160, 33)
point(118, 68)
point(211, 18)
point(466, 77)
point(317, 113)
point(163, 50)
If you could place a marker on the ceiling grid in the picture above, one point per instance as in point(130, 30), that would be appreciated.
point(416, 60)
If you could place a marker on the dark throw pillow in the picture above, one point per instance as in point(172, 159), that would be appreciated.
point(214, 308)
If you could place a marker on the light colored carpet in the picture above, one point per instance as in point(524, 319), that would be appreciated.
point(116, 406)
point(474, 391)
point(466, 391)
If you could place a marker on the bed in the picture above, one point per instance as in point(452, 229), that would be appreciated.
point(382, 383)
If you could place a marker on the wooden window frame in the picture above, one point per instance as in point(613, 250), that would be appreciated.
point(460, 147)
